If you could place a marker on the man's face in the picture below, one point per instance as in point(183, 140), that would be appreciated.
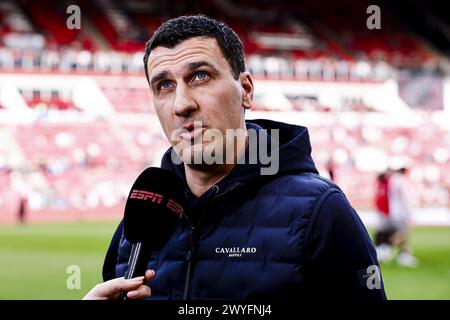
point(193, 82)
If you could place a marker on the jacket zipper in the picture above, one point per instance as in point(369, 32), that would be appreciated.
point(189, 256)
point(193, 242)
point(190, 253)
point(192, 249)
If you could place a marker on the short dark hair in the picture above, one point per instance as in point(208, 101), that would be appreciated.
point(176, 30)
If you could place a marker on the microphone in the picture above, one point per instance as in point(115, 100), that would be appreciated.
point(153, 211)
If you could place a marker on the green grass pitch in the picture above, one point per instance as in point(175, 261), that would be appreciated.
point(34, 261)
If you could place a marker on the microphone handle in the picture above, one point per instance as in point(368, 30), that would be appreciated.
point(137, 263)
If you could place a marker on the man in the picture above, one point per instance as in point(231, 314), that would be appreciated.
point(395, 213)
point(399, 218)
point(288, 234)
point(384, 231)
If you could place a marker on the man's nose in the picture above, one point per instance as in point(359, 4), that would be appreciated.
point(184, 103)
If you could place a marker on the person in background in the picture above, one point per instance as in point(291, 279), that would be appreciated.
point(384, 230)
point(22, 210)
point(399, 217)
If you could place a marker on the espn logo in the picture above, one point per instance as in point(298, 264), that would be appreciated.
point(144, 195)
point(175, 207)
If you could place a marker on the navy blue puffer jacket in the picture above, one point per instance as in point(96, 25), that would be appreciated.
point(291, 235)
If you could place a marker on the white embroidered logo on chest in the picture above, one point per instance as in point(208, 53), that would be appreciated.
point(235, 251)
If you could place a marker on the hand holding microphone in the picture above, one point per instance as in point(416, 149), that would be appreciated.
point(136, 288)
point(153, 211)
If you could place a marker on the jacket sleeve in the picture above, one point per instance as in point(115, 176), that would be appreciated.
point(109, 264)
point(340, 259)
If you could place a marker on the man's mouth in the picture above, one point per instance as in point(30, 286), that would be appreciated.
point(189, 127)
point(192, 132)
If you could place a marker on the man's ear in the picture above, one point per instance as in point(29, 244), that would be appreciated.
point(246, 81)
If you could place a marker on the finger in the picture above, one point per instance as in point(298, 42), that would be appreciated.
point(115, 286)
point(127, 285)
point(142, 292)
point(131, 284)
point(149, 275)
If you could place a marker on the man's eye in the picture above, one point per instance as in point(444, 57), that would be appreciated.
point(201, 75)
point(164, 85)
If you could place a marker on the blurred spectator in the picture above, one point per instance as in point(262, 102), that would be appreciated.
point(77, 59)
point(384, 231)
point(399, 217)
point(22, 210)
